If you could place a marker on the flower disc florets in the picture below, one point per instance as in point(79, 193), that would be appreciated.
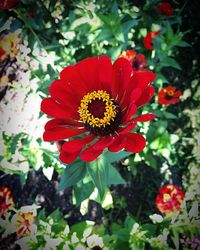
point(99, 113)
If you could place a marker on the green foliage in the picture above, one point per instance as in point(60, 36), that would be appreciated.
point(72, 174)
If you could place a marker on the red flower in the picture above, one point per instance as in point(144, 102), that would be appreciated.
point(8, 4)
point(138, 61)
point(148, 40)
point(165, 9)
point(169, 199)
point(6, 200)
point(169, 95)
point(24, 223)
point(97, 100)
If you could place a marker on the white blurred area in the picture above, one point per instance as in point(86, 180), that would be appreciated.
point(20, 108)
point(19, 113)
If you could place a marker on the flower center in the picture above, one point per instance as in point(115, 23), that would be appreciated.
point(170, 92)
point(99, 113)
point(166, 197)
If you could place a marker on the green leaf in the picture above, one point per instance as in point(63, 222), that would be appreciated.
point(126, 26)
point(114, 176)
point(183, 44)
point(72, 174)
point(114, 157)
point(83, 191)
point(114, 8)
point(169, 115)
point(150, 160)
point(98, 171)
point(170, 62)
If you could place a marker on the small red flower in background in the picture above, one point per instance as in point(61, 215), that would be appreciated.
point(97, 100)
point(24, 223)
point(8, 4)
point(165, 9)
point(169, 95)
point(148, 40)
point(6, 200)
point(169, 199)
point(138, 61)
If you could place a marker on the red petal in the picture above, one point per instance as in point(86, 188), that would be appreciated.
point(52, 108)
point(56, 134)
point(122, 71)
point(130, 112)
point(135, 142)
point(103, 143)
point(90, 154)
point(178, 93)
point(62, 92)
point(146, 96)
point(118, 144)
point(77, 144)
point(174, 101)
point(67, 157)
point(144, 118)
point(88, 71)
point(105, 72)
point(128, 128)
point(141, 79)
point(71, 76)
point(129, 99)
point(54, 123)
point(135, 95)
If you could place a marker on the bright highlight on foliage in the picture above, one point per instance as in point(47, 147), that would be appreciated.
point(97, 100)
point(6, 200)
point(148, 40)
point(165, 9)
point(169, 199)
point(138, 61)
point(169, 95)
point(24, 223)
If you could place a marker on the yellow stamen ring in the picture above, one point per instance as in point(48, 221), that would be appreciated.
point(110, 109)
point(170, 93)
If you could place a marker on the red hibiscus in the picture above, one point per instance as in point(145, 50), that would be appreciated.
point(169, 95)
point(6, 200)
point(165, 9)
point(138, 61)
point(169, 199)
point(97, 100)
point(148, 40)
point(8, 4)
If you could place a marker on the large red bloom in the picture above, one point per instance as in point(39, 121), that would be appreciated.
point(148, 40)
point(165, 9)
point(169, 95)
point(169, 199)
point(8, 4)
point(97, 101)
point(6, 200)
point(138, 61)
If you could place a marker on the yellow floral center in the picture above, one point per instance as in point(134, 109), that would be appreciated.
point(170, 92)
point(93, 116)
point(99, 112)
point(166, 197)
